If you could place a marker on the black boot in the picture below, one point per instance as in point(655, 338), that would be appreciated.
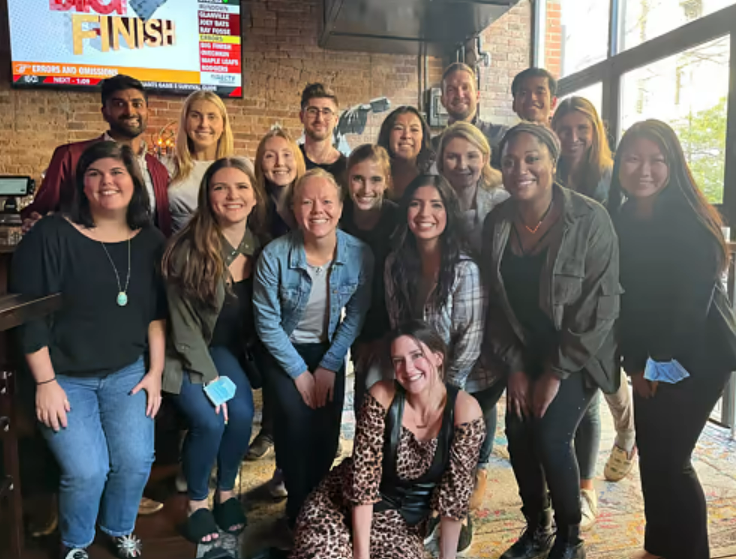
point(536, 541)
point(568, 544)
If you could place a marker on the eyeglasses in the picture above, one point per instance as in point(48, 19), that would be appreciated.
point(326, 113)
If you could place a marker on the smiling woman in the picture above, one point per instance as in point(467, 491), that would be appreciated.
point(102, 257)
point(585, 159)
point(209, 282)
point(204, 135)
point(464, 159)
point(304, 281)
point(417, 440)
point(371, 217)
point(550, 261)
point(406, 136)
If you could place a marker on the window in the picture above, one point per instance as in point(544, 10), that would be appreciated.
point(646, 19)
point(664, 59)
point(576, 35)
point(687, 90)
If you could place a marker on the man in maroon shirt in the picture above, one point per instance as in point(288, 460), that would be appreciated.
point(125, 109)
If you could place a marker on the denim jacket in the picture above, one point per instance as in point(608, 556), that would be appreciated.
point(579, 292)
point(281, 292)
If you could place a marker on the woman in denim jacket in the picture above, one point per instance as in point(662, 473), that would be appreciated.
point(550, 259)
point(304, 281)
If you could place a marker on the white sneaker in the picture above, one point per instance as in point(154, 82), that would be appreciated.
point(276, 486)
point(181, 482)
point(588, 508)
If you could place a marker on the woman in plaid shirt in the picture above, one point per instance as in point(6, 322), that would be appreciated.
point(431, 276)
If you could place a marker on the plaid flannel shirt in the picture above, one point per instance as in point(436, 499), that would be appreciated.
point(459, 321)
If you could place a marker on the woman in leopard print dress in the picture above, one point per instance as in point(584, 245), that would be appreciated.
point(433, 433)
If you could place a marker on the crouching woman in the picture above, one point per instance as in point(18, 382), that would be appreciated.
point(416, 449)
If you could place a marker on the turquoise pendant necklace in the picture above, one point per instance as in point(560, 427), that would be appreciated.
point(122, 298)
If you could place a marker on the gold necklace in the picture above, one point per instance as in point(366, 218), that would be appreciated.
point(544, 216)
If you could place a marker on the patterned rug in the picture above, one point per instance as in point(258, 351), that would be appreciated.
point(618, 532)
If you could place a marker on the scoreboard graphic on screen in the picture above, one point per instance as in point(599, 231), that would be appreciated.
point(175, 46)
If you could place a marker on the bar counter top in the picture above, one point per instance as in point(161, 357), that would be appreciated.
point(19, 309)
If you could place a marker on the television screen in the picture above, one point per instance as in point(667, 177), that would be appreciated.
point(172, 46)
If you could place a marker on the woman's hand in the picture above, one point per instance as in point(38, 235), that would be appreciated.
point(517, 394)
point(642, 387)
point(545, 391)
point(222, 408)
point(324, 386)
point(52, 405)
point(151, 383)
point(305, 385)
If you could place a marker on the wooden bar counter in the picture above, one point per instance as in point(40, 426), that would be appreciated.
point(14, 311)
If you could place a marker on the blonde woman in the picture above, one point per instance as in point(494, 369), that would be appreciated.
point(585, 160)
point(279, 164)
point(204, 136)
point(370, 216)
point(464, 159)
point(585, 166)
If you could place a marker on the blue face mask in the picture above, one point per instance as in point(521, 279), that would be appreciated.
point(670, 372)
point(220, 391)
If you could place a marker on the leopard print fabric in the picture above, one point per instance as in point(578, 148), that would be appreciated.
point(323, 525)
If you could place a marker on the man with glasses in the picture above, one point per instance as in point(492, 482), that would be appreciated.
point(319, 117)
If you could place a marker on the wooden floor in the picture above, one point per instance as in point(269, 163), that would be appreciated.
point(159, 532)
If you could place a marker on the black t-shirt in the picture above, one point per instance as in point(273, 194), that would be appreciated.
point(91, 335)
point(379, 239)
point(337, 169)
point(236, 314)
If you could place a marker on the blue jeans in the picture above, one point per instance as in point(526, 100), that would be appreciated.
point(488, 398)
point(105, 454)
point(208, 438)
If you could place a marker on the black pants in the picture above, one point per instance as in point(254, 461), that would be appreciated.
point(542, 454)
point(305, 440)
point(488, 398)
point(667, 428)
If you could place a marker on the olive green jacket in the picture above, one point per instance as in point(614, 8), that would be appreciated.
point(579, 292)
point(191, 326)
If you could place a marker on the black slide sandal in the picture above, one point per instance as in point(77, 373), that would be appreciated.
point(200, 524)
point(228, 514)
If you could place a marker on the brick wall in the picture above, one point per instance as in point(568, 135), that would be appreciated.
point(280, 56)
point(553, 38)
point(508, 40)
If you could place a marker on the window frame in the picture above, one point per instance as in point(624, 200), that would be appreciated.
point(610, 73)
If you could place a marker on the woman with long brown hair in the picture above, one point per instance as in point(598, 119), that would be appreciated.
point(416, 445)
point(208, 269)
point(406, 136)
point(585, 166)
point(676, 329)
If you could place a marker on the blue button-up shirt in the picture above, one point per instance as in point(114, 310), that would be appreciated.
point(281, 293)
